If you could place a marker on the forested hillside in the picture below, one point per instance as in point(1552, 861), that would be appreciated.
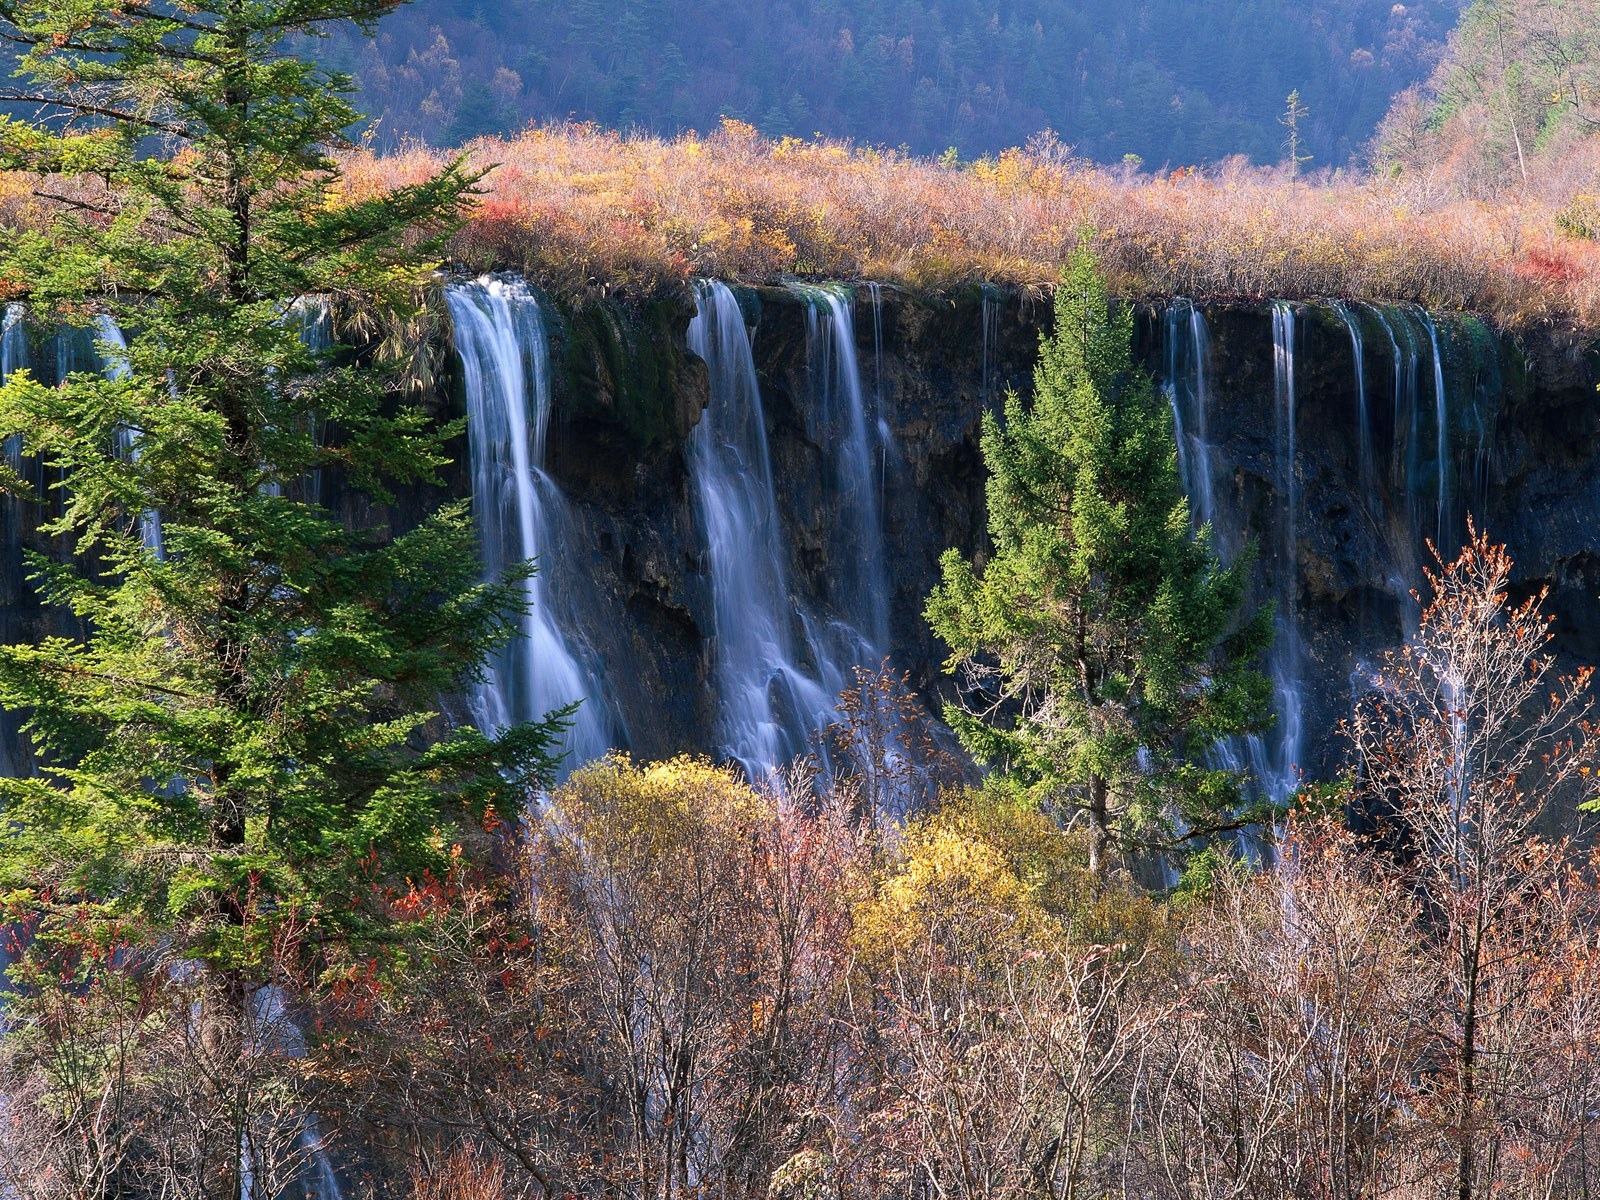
point(1513, 106)
point(1174, 82)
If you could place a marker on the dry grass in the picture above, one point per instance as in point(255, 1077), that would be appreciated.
point(579, 209)
point(463, 1175)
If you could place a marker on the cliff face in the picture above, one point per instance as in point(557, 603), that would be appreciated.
point(1385, 447)
point(1368, 472)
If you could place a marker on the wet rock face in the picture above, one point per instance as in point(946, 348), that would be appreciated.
point(1520, 451)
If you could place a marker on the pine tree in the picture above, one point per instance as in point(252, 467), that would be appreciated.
point(1101, 650)
point(1293, 113)
point(244, 738)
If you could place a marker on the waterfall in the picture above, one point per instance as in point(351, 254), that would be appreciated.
point(769, 704)
point(991, 339)
point(885, 433)
point(111, 349)
point(780, 664)
point(875, 298)
point(313, 320)
point(313, 317)
point(852, 446)
point(1174, 347)
point(1188, 389)
point(270, 1030)
point(522, 515)
point(1367, 472)
point(1424, 470)
point(1281, 776)
point(1399, 328)
point(13, 357)
point(1441, 421)
point(1271, 761)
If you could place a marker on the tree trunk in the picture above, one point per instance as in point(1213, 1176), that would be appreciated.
point(1099, 826)
point(1468, 1066)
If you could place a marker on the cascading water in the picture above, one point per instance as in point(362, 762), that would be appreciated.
point(312, 317)
point(1188, 359)
point(111, 347)
point(1280, 771)
point(853, 445)
point(1416, 469)
point(1365, 465)
point(1270, 760)
point(13, 357)
point(1173, 387)
point(522, 515)
point(770, 704)
point(991, 340)
point(1412, 484)
point(1441, 423)
point(885, 433)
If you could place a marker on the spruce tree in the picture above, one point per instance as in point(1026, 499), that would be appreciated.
point(1102, 649)
point(244, 739)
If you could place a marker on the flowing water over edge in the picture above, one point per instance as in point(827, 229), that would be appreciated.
point(521, 514)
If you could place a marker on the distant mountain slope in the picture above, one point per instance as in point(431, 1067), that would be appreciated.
point(1513, 106)
point(1173, 81)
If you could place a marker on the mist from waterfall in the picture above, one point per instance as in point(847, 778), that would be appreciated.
point(521, 515)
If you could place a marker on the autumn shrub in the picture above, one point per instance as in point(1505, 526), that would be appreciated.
point(580, 208)
point(462, 1175)
point(1289, 1068)
point(1001, 996)
point(701, 930)
point(138, 1073)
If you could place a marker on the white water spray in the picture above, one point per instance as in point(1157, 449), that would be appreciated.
point(770, 704)
point(522, 515)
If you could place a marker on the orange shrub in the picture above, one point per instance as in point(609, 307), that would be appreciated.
point(578, 207)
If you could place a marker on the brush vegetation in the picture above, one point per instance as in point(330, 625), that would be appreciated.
point(583, 209)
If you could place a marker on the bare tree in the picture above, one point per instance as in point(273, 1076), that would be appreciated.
point(994, 1020)
point(1466, 737)
point(1289, 1072)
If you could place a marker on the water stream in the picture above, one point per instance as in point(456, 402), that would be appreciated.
point(522, 515)
point(854, 443)
point(771, 701)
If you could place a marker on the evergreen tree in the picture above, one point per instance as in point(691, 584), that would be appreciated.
point(243, 740)
point(1293, 114)
point(1101, 648)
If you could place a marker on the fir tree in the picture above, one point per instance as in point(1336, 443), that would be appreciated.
point(1293, 114)
point(245, 737)
point(1101, 649)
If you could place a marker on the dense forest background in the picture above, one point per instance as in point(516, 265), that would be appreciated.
point(1173, 82)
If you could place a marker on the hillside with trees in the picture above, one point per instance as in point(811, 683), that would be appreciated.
point(1171, 82)
point(1512, 110)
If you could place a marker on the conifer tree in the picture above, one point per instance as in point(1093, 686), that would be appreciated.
point(243, 738)
point(1101, 650)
